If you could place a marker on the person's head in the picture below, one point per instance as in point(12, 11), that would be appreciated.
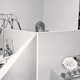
point(40, 26)
point(7, 46)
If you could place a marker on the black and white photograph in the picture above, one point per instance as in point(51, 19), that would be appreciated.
point(39, 39)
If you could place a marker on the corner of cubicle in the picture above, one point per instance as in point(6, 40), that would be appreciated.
point(22, 64)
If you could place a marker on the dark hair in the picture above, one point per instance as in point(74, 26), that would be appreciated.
point(38, 25)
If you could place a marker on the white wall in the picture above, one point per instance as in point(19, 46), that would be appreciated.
point(54, 76)
point(61, 14)
point(28, 12)
point(57, 14)
point(18, 37)
point(79, 5)
point(53, 47)
point(25, 66)
point(51, 75)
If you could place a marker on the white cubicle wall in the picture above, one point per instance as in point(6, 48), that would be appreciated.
point(51, 75)
point(53, 47)
point(19, 37)
point(24, 68)
point(46, 50)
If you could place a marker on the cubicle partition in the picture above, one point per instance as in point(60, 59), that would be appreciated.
point(22, 64)
point(39, 56)
point(24, 67)
point(53, 47)
point(19, 37)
